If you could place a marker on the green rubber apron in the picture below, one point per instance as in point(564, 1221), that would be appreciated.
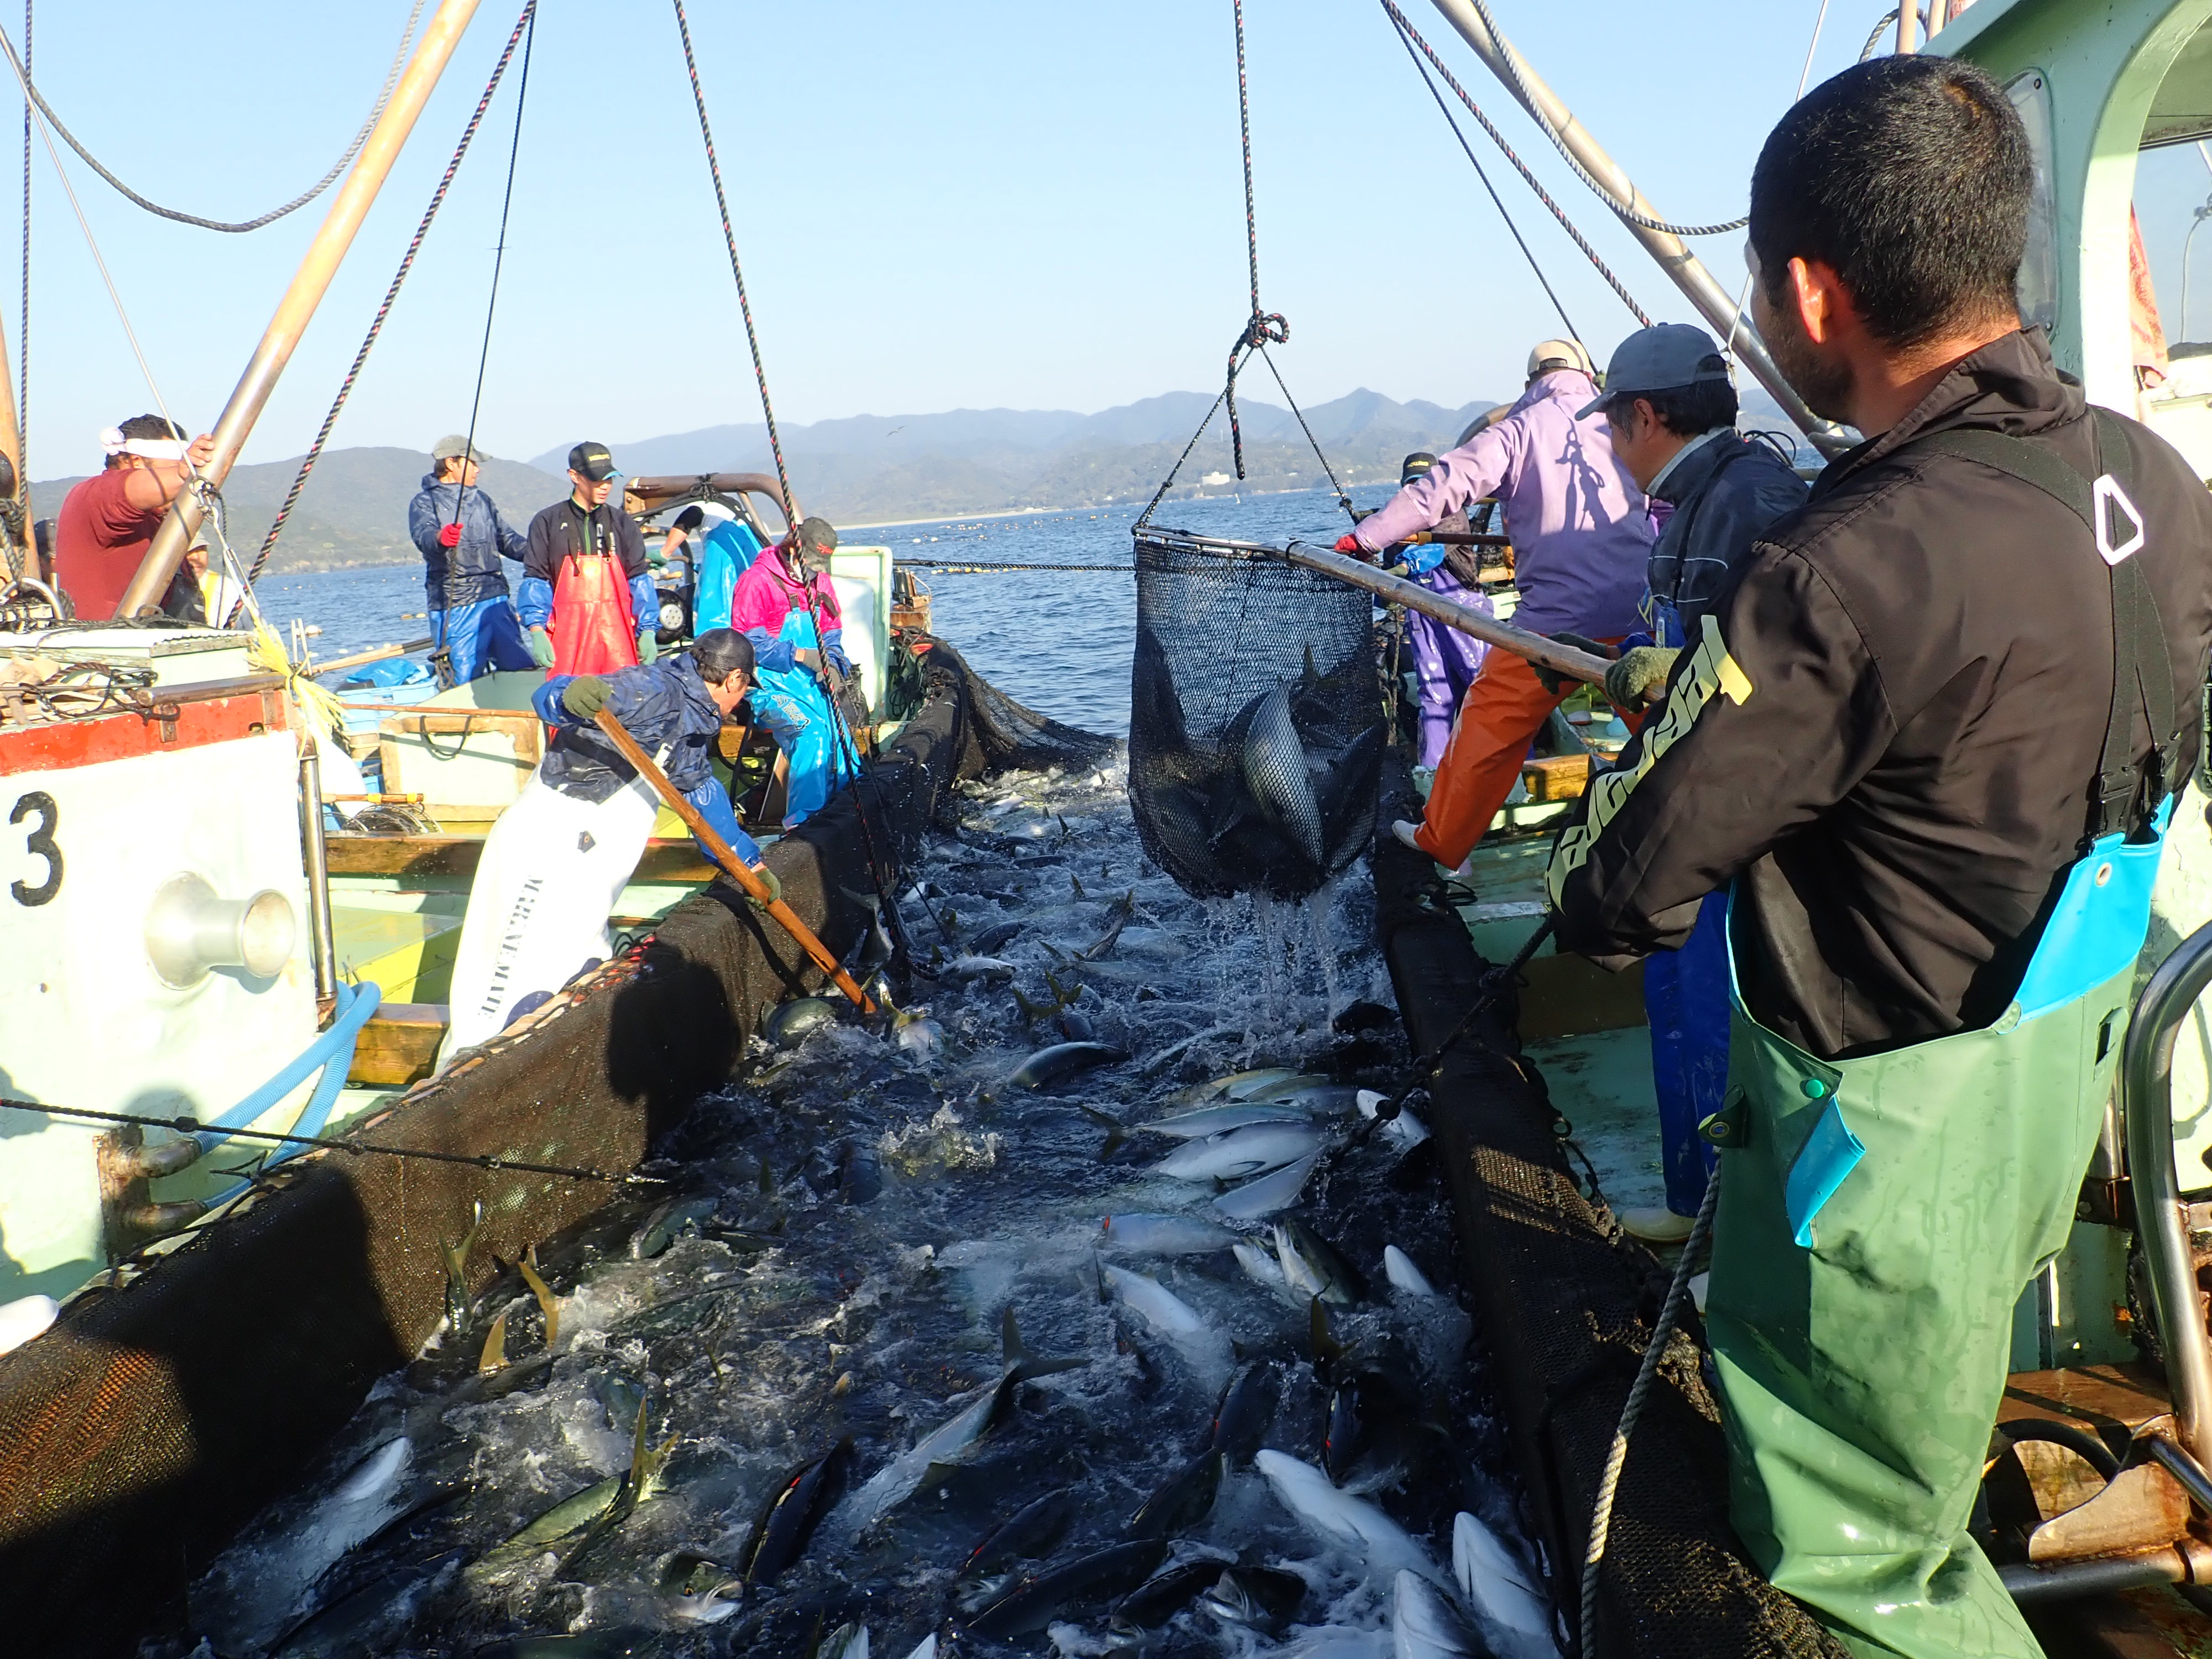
point(1879, 1218)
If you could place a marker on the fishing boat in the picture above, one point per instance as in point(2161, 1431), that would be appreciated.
point(225, 1308)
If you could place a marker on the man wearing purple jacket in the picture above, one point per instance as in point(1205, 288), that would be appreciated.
point(1582, 535)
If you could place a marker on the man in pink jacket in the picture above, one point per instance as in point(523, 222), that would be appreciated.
point(1581, 534)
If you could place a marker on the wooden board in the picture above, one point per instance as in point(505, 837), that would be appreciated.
point(400, 1045)
point(670, 859)
point(2129, 1395)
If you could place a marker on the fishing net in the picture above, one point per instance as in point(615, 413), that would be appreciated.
point(1255, 719)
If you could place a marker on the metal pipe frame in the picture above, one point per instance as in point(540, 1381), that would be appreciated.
point(2161, 1219)
point(294, 312)
point(2031, 1587)
point(1682, 267)
point(316, 853)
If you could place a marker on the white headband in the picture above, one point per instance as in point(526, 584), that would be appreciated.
point(153, 449)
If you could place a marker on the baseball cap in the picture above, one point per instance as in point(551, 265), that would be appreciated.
point(1659, 359)
point(1558, 353)
point(1415, 465)
point(594, 461)
point(454, 444)
point(816, 535)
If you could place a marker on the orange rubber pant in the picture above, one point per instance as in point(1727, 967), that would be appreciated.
point(1499, 717)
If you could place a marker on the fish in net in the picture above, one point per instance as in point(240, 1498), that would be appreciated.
point(1255, 720)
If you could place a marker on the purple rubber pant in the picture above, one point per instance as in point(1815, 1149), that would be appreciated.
point(1444, 659)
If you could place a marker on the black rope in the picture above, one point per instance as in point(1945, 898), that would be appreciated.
point(491, 305)
point(1506, 55)
point(1160, 494)
point(1343, 500)
point(392, 79)
point(391, 294)
point(1409, 33)
point(730, 240)
point(189, 1125)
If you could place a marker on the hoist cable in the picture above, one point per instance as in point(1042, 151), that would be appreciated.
point(1267, 357)
point(491, 305)
point(1519, 241)
point(1261, 327)
point(391, 80)
point(23, 334)
point(1408, 31)
point(1506, 55)
point(730, 240)
point(406, 264)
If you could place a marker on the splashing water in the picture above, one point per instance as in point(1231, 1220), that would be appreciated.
point(866, 1214)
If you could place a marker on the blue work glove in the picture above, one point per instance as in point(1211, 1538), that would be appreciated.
point(541, 647)
point(648, 645)
point(586, 695)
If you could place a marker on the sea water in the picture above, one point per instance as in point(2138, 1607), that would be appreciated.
point(872, 1206)
point(1058, 641)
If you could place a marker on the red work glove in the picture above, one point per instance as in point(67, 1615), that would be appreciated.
point(1349, 544)
point(450, 537)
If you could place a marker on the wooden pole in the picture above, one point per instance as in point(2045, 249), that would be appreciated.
point(726, 856)
point(1559, 659)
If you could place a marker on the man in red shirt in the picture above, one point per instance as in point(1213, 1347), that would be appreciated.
point(107, 522)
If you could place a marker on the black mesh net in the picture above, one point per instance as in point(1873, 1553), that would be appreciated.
point(1255, 719)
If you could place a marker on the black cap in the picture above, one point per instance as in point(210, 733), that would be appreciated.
point(593, 462)
point(1415, 465)
point(816, 536)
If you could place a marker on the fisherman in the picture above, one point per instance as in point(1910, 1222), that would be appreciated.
point(1927, 737)
point(203, 594)
point(1581, 537)
point(1671, 409)
point(107, 522)
point(588, 597)
point(785, 605)
point(1445, 661)
point(558, 858)
point(462, 536)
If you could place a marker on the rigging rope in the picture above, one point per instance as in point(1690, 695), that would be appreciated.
point(23, 332)
point(1261, 327)
point(491, 306)
point(399, 277)
point(730, 240)
point(1407, 32)
point(391, 80)
point(1510, 58)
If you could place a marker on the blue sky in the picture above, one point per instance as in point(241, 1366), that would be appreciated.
point(962, 205)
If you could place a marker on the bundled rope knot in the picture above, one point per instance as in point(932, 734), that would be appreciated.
point(1265, 329)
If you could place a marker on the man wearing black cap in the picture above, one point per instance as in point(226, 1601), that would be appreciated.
point(587, 595)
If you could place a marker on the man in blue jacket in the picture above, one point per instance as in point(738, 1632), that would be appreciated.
point(462, 538)
point(1671, 410)
point(557, 859)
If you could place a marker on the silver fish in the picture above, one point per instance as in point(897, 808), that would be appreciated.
point(1274, 763)
point(1496, 1584)
point(1259, 1267)
point(1217, 1120)
point(1162, 1309)
point(1166, 1235)
point(1063, 1059)
point(1238, 1154)
point(1237, 1085)
point(1398, 1267)
point(790, 1023)
point(1255, 1201)
point(1305, 1492)
point(1425, 1626)
point(1312, 1268)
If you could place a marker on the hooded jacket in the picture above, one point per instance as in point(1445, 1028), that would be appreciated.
point(1887, 730)
point(486, 537)
point(1723, 492)
point(1580, 531)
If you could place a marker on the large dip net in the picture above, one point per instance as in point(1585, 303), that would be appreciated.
point(1255, 719)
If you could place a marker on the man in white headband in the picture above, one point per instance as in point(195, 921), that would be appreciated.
point(102, 531)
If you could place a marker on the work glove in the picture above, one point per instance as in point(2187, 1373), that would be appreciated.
point(450, 537)
point(1349, 543)
point(648, 645)
point(769, 880)
point(1557, 684)
point(585, 695)
point(541, 647)
point(1639, 673)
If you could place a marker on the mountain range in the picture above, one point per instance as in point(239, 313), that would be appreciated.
point(867, 468)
